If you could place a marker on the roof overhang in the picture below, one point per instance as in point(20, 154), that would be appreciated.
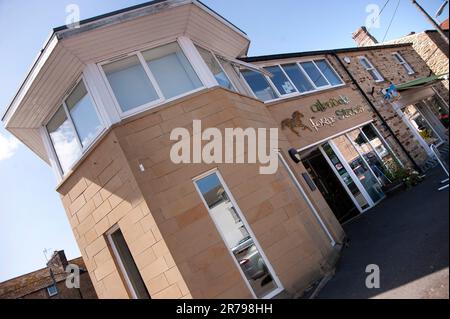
point(68, 50)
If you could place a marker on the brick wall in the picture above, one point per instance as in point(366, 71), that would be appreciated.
point(174, 241)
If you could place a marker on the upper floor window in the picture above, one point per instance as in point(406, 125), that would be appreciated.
point(52, 290)
point(145, 78)
point(216, 68)
point(403, 63)
point(292, 78)
point(74, 126)
point(371, 69)
point(259, 85)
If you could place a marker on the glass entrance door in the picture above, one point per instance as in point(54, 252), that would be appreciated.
point(358, 168)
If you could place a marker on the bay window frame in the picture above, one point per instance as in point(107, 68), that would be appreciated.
point(161, 99)
point(242, 217)
point(48, 143)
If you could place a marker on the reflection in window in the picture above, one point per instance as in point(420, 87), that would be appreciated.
point(314, 74)
point(235, 234)
point(172, 70)
point(64, 139)
point(128, 266)
point(329, 73)
point(130, 83)
point(284, 86)
point(215, 68)
point(259, 85)
point(83, 114)
point(298, 77)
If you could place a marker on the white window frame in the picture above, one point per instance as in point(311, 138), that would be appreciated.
point(50, 293)
point(298, 93)
point(277, 281)
point(161, 99)
point(401, 60)
point(380, 78)
point(220, 65)
point(119, 260)
point(48, 143)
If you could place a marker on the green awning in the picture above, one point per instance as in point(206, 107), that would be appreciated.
point(422, 82)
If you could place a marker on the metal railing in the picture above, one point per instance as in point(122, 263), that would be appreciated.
point(438, 156)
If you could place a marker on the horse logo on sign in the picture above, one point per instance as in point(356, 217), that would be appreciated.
point(295, 122)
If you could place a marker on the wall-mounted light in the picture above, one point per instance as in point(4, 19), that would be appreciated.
point(347, 60)
point(295, 156)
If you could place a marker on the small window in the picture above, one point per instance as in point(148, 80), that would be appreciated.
point(237, 235)
point(279, 79)
point(403, 63)
point(297, 76)
point(172, 70)
point(127, 265)
point(314, 74)
point(371, 69)
point(328, 72)
point(216, 69)
point(52, 290)
point(130, 83)
point(259, 85)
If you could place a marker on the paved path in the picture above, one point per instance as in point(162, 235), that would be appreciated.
point(407, 236)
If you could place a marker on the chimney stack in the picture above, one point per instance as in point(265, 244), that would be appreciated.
point(58, 261)
point(363, 38)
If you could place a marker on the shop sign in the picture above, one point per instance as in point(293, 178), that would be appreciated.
point(342, 112)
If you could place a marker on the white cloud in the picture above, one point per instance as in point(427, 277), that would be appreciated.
point(8, 146)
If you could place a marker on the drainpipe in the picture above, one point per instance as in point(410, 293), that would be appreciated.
point(417, 167)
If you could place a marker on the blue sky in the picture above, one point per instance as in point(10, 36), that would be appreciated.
point(31, 215)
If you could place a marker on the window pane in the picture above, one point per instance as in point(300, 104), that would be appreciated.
point(64, 139)
point(398, 57)
point(215, 68)
point(389, 161)
point(236, 236)
point(298, 77)
point(280, 80)
point(365, 63)
point(331, 76)
point(130, 83)
point(314, 74)
point(83, 114)
point(128, 263)
point(259, 85)
point(375, 75)
point(172, 70)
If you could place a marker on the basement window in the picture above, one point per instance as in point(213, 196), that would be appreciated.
point(399, 58)
point(128, 268)
point(74, 126)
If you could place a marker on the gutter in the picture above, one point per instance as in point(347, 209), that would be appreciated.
point(383, 121)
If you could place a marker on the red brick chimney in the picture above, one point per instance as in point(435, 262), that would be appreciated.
point(363, 38)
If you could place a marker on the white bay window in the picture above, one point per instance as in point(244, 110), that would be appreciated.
point(74, 126)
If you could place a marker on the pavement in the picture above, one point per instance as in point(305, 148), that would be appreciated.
point(407, 237)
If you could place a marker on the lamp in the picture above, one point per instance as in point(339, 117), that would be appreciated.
point(295, 156)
